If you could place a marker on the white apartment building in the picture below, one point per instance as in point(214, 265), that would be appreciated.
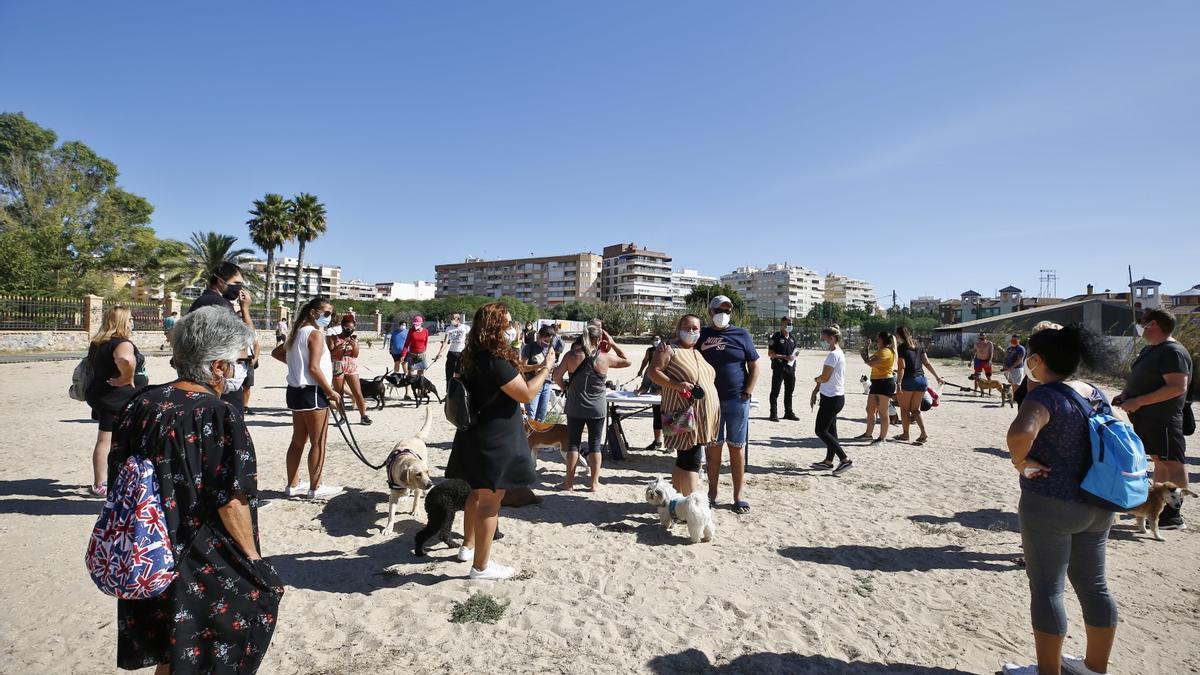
point(406, 290)
point(637, 277)
point(777, 290)
point(682, 283)
point(357, 289)
point(542, 281)
point(850, 293)
point(316, 279)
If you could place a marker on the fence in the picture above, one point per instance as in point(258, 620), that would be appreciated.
point(34, 313)
point(147, 316)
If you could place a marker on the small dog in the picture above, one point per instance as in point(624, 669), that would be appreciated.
point(407, 474)
point(673, 508)
point(443, 501)
point(866, 385)
point(1161, 496)
point(397, 381)
point(555, 436)
point(422, 388)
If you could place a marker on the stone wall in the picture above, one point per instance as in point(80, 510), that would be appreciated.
point(77, 341)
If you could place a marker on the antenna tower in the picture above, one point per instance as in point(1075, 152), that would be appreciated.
point(1049, 283)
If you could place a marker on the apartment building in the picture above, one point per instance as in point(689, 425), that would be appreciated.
point(357, 289)
point(637, 277)
point(925, 304)
point(316, 279)
point(850, 293)
point(682, 283)
point(406, 290)
point(777, 290)
point(542, 281)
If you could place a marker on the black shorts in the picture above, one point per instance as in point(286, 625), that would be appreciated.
point(1162, 438)
point(105, 418)
point(883, 387)
point(689, 460)
point(300, 399)
point(249, 381)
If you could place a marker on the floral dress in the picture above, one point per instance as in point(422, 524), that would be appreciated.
point(220, 612)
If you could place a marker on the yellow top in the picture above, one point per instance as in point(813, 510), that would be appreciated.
point(882, 369)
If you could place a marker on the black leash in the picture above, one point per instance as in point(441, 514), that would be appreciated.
point(347, 432)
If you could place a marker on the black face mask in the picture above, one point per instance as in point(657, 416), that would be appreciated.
point(347, 332)
point(232, 292)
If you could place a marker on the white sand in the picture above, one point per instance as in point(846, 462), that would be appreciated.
point(905, 561)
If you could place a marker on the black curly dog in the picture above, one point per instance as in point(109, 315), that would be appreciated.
point(441, 503)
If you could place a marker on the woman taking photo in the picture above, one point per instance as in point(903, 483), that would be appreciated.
point(912, 366)
point(831, 387)
point(586, 406)
point(493, 454)
point(1063, 535)
point(309, 393)
point(687, 380)
point(344, 347)
point(883, 385)
point(118, 372)
point(219, 613)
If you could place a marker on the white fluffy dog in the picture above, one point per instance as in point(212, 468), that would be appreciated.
point(673, 508)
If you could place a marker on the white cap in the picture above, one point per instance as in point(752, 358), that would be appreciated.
point(717, 301)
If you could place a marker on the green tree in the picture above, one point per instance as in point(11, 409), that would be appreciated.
point(64, 221)
point(698, 298)
point(307, 223)
point(270, 228)
point(828, 313)
point(204, 253)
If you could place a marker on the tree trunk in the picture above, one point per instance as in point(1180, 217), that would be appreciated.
point(299, 273)
point(270, 287)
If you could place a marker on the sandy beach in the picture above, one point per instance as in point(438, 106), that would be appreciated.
point(905, 564)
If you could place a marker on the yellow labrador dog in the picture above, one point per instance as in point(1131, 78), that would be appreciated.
point(407, 473)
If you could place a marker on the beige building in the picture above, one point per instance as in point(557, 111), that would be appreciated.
point(356, 289)
point(316, 279)
point(682, 283)
point(925, 304)
point(406, 290)
point(777, 290)
point(850, 293)
point(637, 277)
point(542, 281)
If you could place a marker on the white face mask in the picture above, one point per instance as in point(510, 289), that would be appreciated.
point(1139, 329)
point(510, 334)
point(787, 329)
point(721, 319)
point(234, 382)
point(1029, 371)
point(689, 337)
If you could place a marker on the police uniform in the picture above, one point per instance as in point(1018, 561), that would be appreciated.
point(782, 371)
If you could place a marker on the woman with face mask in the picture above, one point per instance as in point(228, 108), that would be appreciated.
point(207, 479)
point(344, 347)
point(309, 395)
point(687, 380)
point(1063, 534)
point(118, 372)
point(883, 385)
point(831, 387)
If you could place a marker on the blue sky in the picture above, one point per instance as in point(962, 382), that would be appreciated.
point(927, 147)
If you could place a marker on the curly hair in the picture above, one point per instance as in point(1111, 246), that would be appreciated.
point(487, 334)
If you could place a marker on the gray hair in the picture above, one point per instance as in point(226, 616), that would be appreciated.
point(206, 335)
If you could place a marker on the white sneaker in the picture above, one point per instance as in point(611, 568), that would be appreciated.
point(1014, 669)
point(294, 491)
point(325, 492)
point(465, 554)
point(1074, 665)
point(494, 572)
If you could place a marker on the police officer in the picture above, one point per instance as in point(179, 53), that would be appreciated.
point(781, 350)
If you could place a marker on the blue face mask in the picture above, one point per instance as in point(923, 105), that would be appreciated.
point(323, 321)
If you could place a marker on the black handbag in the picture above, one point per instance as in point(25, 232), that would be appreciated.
point(458, 408)
point(1189, 420)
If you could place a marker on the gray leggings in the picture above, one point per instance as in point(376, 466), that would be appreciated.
point(1065, 539)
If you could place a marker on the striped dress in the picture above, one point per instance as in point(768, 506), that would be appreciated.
point(686, 365)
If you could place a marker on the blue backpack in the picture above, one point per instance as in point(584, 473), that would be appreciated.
point(1117, 479)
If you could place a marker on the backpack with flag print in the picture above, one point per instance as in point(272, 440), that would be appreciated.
point(129, 554)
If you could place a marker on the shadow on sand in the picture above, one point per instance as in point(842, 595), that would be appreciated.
point(912, 559)
point(696, 661)
point(51, 498)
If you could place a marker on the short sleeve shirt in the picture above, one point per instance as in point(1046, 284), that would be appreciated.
point(887, 363)
point(456, 338)
point(836, 385)
point(1147, 375)
point(728, 351)
point(484, 382)
point(1064, 445)
point(782, 344)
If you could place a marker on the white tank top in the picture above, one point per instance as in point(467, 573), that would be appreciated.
point(297, 361)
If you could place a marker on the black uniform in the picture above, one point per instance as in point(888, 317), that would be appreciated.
point(782, 372)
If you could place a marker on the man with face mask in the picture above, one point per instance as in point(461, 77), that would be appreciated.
point(226, 289)
point(781, 350)
point(730, 351)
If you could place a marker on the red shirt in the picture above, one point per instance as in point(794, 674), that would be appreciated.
point(416, 342)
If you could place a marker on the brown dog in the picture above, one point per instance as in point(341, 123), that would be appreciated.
point(553, 435)
point(1161, 496)
point(984, 384)
point(407, 473)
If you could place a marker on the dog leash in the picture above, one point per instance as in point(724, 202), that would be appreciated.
point(344, 428)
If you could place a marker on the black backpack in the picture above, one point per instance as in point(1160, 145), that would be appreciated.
point(458, 408)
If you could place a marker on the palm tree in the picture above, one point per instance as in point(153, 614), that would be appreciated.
point(308, 223)
point(270, 228)
point(204, 253)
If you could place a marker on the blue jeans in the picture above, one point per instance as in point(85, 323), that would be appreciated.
point(734, 427)
point(538, 407)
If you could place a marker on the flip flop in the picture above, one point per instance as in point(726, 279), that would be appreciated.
point(742, 506)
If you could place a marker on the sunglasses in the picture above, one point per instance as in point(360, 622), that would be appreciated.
point(329, 313)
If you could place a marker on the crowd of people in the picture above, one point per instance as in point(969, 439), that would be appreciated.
point(705, 373)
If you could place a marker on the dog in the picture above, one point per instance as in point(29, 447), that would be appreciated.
point(396, 381)
point(375, 389)
point(866, 385)
point(986, 384)
point(673, 508)
point(443, 501)
point(1161, 496)
point(553, 437)
point(422, 388)
point(407, 473)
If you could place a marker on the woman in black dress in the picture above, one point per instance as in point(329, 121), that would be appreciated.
point(219, 613)
point(118, 372)
point(493, 455)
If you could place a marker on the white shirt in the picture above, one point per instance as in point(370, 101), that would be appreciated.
point(836, 385)
point(456, 338)
point(297, 361)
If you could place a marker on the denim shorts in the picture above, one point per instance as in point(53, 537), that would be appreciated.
point(914, 383)
point(734, 426)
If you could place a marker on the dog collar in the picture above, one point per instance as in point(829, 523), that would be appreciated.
point(671, 508)
point(396, 454)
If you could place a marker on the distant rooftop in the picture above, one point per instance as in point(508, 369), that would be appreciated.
point(1146, 282)
point(1011, 289)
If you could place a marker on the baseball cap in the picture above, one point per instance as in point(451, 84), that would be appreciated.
point(717, 301)
point(418, 319)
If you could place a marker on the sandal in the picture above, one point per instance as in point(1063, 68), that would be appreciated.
point(742, 506)
point(862, 437)
point(921, 440)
